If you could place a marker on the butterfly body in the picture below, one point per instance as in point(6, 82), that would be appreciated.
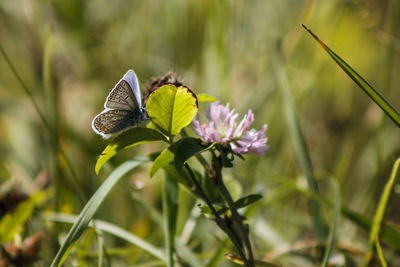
point(123, 108)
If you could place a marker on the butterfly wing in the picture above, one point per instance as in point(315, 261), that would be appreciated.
point(112, 121)
point(126, 94)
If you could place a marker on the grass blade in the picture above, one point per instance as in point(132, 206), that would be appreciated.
point(91, 208)
point(44, 121)
point(111, 229)
point(336, 214)
point(184, 251)
point(380, 211)
point(367, 88)
point(380, 253)
point(170, 207)
point(300, 147)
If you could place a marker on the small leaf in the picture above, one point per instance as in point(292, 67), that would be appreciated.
point(187, 147)
point(163, 159)
point(206, 98)
point(129, 138)
point(247, 200)
point(172, 108)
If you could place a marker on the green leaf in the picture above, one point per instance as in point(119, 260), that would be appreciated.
point(11, 222)
point(186, 148)
point(206, 98)
point(247, 200)
point(91, 208)
point(360, 81)
point(163, 159)
point(172, 108)
point(127, 139)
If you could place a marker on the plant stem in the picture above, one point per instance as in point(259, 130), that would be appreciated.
point(237, 219)
point(221, 223)
point(231, 204)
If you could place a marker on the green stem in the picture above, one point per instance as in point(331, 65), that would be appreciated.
point(220, 222)
point(237, 218)
point(235, 214)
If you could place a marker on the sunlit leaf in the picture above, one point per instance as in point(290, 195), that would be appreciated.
point(206, 98)
point(172, 108)
point(162, 160)
point(127, 139)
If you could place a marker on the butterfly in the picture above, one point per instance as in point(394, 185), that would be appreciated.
point(123, 108)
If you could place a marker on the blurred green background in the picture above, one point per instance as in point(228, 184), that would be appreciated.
point(71, 53)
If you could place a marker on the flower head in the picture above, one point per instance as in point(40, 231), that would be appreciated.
point(222, 128)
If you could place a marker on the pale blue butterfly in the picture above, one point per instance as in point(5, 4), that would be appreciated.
point(123, 108)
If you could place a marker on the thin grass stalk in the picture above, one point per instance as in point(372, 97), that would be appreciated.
point(53, 135)
point(380, 253)
point(170, 210)
point(335, 221)
point(299, 146)
point(380, 212)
